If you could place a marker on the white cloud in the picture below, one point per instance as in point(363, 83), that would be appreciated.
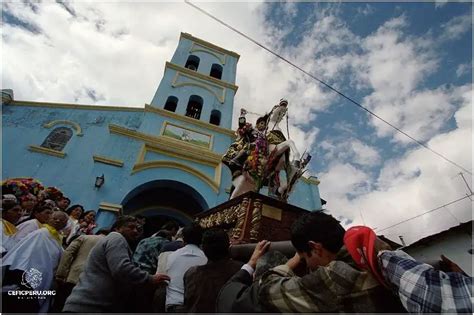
point(366, 10)
point(350, 150)
point(463, 69)
point(456, 27)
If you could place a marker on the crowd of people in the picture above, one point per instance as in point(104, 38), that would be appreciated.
point(56, 250)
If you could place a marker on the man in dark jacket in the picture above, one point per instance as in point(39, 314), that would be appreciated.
point(109, 275)
point(203, 283)
point(240, 293)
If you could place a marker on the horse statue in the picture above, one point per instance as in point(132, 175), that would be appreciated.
point(259, 154)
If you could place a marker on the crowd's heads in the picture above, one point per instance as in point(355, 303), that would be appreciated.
point(103, 232)
point(88, 216)
point(316, 236)
point(63, 202)
point(268, 261)
point(171, 226)
point(58, 220)
point(215, 244)
point(75, 211)
point(127, 225)
point(28, 202)
point(43, 211)
point(11, 210)
point(192, 234)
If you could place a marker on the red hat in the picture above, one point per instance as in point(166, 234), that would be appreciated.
point(360, 243)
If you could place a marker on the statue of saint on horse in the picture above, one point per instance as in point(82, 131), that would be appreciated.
point(259, 154)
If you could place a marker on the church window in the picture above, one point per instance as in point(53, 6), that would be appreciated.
point(194, 107)
point(216, 71)
point(215, 117)
point(57, 139)
point(171, 103)
point(192, 63)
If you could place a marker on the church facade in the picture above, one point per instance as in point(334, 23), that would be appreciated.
point(162, 161)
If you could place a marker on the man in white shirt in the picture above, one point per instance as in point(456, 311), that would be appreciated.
point(179, 262)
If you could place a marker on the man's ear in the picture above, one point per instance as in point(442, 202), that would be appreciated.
point(316, 247)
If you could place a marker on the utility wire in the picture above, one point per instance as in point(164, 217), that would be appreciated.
point(440, 207)
point(326, 85)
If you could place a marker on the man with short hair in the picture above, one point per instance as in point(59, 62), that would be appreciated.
point(179, 262)
point(203, 283)
point(148, 250)
point(334, 283)
point(109, 276)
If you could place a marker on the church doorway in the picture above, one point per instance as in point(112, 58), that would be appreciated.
point(161, 201)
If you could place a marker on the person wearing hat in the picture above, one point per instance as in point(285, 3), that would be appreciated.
point(421, 288)
point(11, 213)
point(334, 283)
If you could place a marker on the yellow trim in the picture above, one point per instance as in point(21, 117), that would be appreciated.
point(179, 154)
point(106, 160)
point(169, 144)
point(75, 106)
point(312, 181)
point(211, 136)
point(75, 125)
point(176, 165)
point(38, 149)
point(220, 56)
point(220, 98)
point(201, 76)
point(107, 206)
point(199, 123)
point(210, 45)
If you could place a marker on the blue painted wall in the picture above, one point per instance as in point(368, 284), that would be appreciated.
point(75, 174)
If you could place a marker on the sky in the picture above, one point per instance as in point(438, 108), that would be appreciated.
point(410, 63)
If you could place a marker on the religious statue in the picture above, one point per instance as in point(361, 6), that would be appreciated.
point(259, 154)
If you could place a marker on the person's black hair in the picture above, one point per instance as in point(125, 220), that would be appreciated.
point(170, 225)
point(8, 204)
point(140, 217)
point(192, 234)
point(263, 118)
point(103, 232)
point(62, 198)
point(318, 227)
point(165, 234)
point(122, 221)
point(215, 244)
point(69, 210)
point(83, 215)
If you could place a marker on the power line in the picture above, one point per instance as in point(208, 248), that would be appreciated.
point(417, 216)
point(326, 85)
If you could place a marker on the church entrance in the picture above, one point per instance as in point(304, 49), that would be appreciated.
point(161, 201)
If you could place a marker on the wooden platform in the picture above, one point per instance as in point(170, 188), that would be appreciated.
point(252, 217)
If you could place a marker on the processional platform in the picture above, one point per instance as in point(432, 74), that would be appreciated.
point(252, 217)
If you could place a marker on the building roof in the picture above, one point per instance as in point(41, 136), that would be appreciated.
point(463, 227)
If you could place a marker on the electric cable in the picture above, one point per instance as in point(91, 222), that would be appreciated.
point(328, 86)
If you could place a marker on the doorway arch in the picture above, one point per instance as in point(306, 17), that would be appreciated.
point(163, 200)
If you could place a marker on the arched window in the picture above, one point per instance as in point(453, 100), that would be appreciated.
point(216, 71)
point(192, 63)
point(215, 117)
point(57, 139)
point(171, 103)
point(194, 107)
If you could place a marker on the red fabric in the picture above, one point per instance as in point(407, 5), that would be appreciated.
point(360, 243)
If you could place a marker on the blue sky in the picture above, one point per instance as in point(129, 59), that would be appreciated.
point(411, 63)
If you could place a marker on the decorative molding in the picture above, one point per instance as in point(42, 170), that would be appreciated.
point(210, 45)
point(176, 165)
point(170, 145)
point(38, 149)
point(196, 74)
point(107, 206)
point(310, 180)
point(195, 47)
point(186, 119)
point(106, 160)
point(76, 106)
point(225, 217)
point(256, 218)
point(199, 83)
point(73, 124)
point(241, 215)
